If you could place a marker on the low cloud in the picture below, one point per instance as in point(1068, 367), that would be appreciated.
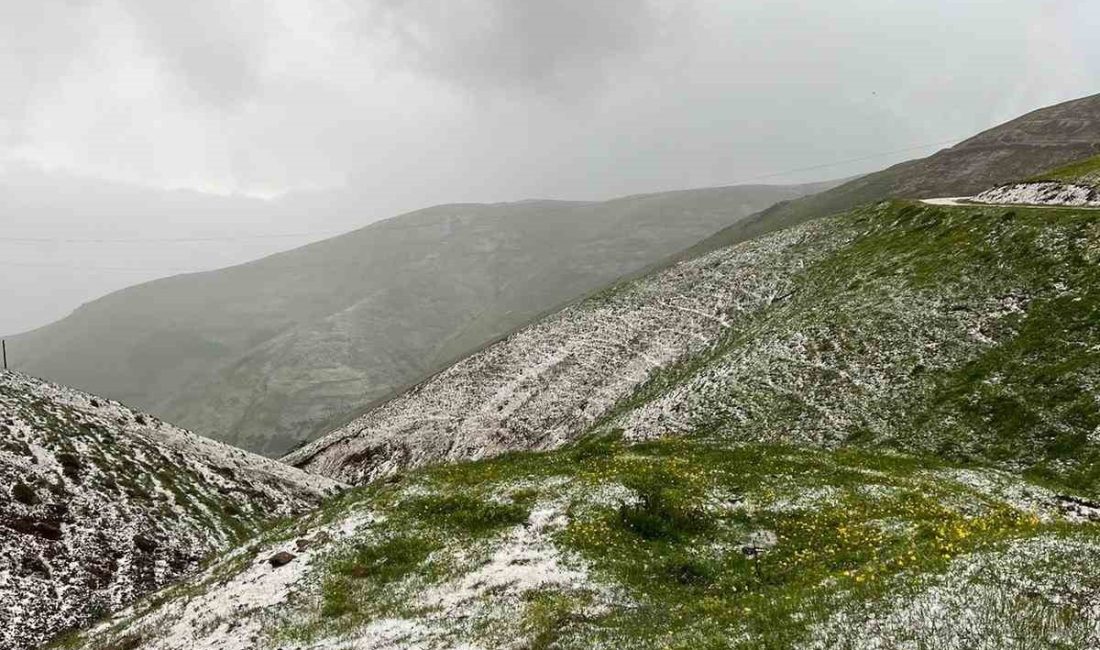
point(559, 46)
point(215, 47)
point(419, 101)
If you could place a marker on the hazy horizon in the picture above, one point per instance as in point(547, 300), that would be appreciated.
point(352, 112)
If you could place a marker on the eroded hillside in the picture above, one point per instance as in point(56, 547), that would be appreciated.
point(875, 430)
point(916, 326)
point(268, 354)
point(544, 385)
point(101, 504)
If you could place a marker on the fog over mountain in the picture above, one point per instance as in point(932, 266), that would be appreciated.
point(398, 105)
point(270, 353)
point(532, 324)
point(68, 239)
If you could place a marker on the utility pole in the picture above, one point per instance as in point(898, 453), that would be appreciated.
point(4, 346)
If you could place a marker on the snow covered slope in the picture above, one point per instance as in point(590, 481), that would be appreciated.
point(835, 329)
point(542, 386)
point(268, 354)
point(877, 430)
point(1042, 193)
point(100, 504)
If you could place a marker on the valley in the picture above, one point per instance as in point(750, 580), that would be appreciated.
point(879, 439)
point(878, 427)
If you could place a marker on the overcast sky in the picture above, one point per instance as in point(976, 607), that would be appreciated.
point(407, 103)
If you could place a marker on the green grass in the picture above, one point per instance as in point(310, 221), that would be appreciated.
point(673, 551)
point(853, 526)
point(466, 513)
point(1085, 171)
point(692, 574)
point(893, 297)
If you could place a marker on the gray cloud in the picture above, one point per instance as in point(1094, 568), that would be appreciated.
point(411, 102)
point(559, 45)
point(215, 47)
point(38, 42)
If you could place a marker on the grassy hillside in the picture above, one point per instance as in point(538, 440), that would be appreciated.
point(680, 543)
point(895, 447)
point(268, 353)
point(1084, 172)
point(930, 329)
point(971, 333)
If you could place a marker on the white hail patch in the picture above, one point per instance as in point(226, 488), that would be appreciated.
point(805, 499)
point(229, 615)
point(526, 560)
point(1042, 193)
point(1005, 488)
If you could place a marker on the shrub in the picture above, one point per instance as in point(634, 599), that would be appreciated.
point(386, 560)
point(467, 513)
point(662, 511)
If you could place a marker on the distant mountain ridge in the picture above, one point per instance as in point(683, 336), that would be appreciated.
point(1021, 148)
point(267, 354)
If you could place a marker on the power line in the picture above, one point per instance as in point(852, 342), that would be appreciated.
point(155, 240)
point(85, 267)
point(165, 272)
point(850, 160)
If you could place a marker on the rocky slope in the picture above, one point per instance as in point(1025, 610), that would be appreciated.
point(875, 430)
point(266, 354)
point(100, 504)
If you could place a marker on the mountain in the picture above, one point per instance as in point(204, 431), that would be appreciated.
point(270, 354)
point(880, 325)
point(68, 239)
point(267, 354)
point(1034, 143)
point(101, 504)
point(873, 430)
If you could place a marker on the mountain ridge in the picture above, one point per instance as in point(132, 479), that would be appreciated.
point(810, 439)
point(338, 324)
point(1035, 142)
